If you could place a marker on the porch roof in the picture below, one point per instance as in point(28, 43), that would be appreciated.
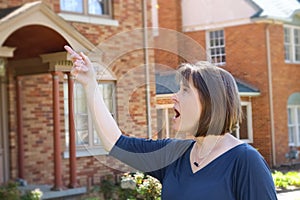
point(167, 84)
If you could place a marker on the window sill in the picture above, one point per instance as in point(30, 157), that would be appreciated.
point(249, 141)
point(88, 151)
point(89, 19)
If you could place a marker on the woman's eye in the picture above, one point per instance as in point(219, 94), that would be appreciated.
point(185, 89)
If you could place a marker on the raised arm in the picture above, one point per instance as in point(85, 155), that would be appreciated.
point(106, 127)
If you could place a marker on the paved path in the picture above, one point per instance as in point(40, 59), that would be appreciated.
point(289, 195)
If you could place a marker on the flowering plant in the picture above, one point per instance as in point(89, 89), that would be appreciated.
point(145, 186)
point(35, 194)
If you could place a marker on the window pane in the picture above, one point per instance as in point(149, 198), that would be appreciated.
point(217, 46)
point(296, 36)
point(96, 139)
point(291, 135)
point(287, 44)
point(287, 35)
point(72, 5)
point(79, 99)
point(95, 7)
point(290, 116)
point(297, 53)
point(81, 121)
point(298, 115)
point(82, 137)
point(298, 143)
point(107, 91)
point(287, 52)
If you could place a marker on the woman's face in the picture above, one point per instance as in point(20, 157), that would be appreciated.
point(187, 109)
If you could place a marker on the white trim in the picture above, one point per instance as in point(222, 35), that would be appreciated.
point(216, 25)
point(87, 151)
point(89, 19)
point(162, 106)
point(164, 95)
point(249, 123)
point(249, 94)
point(6, 51)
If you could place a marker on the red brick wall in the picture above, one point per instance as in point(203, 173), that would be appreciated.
point(169, 17)
point(246, 59)
point(285, 82)
point(37, 101)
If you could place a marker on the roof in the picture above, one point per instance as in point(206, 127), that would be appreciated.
point(167, 84)
point(4, 12)
point(276, 9)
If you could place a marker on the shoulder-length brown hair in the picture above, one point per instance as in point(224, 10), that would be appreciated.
point(218, 94)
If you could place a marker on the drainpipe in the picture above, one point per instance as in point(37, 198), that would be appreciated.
point(269, 64)
point(147, 71)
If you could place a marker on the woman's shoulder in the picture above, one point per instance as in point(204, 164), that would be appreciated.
point(246, 155)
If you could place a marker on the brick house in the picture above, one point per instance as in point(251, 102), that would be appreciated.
point(46, 135)
point(258, 42)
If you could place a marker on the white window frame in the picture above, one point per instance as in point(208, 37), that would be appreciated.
point(90, 149)
point(85, 17)
point(219, 55)
point(249, 123)
point(296, 134)
point(165, 115)
point(290, 46)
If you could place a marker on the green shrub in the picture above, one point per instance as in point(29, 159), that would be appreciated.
point(286, 180)
point(10, 191)
point(132, 186)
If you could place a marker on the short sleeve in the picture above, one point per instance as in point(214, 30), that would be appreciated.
point(252, 178)
point(146, 155)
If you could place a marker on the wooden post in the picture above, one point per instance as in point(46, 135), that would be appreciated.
point(56, 134)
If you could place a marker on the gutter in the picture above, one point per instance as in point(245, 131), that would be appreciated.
point(269, 64)
point(146, 60)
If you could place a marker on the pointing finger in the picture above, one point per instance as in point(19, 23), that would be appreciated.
point(73, 54)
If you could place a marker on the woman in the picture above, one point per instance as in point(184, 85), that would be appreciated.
point(214, 165)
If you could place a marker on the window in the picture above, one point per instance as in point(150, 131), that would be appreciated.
point(292, 44)
point(294, 125)
point(166, 112)
point(293, 112)
point(245, 132)
point(164, 120)
point(215, 42)
point(86, 136)
point(87, 7)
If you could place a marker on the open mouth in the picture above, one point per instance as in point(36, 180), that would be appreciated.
point(177, 113)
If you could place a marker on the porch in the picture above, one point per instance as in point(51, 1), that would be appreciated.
point(48, 193)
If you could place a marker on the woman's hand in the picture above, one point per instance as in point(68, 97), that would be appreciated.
point(82, 69)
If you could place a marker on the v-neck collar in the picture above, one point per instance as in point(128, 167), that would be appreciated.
point(211, 162)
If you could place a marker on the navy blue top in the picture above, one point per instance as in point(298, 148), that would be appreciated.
point(239, 174)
